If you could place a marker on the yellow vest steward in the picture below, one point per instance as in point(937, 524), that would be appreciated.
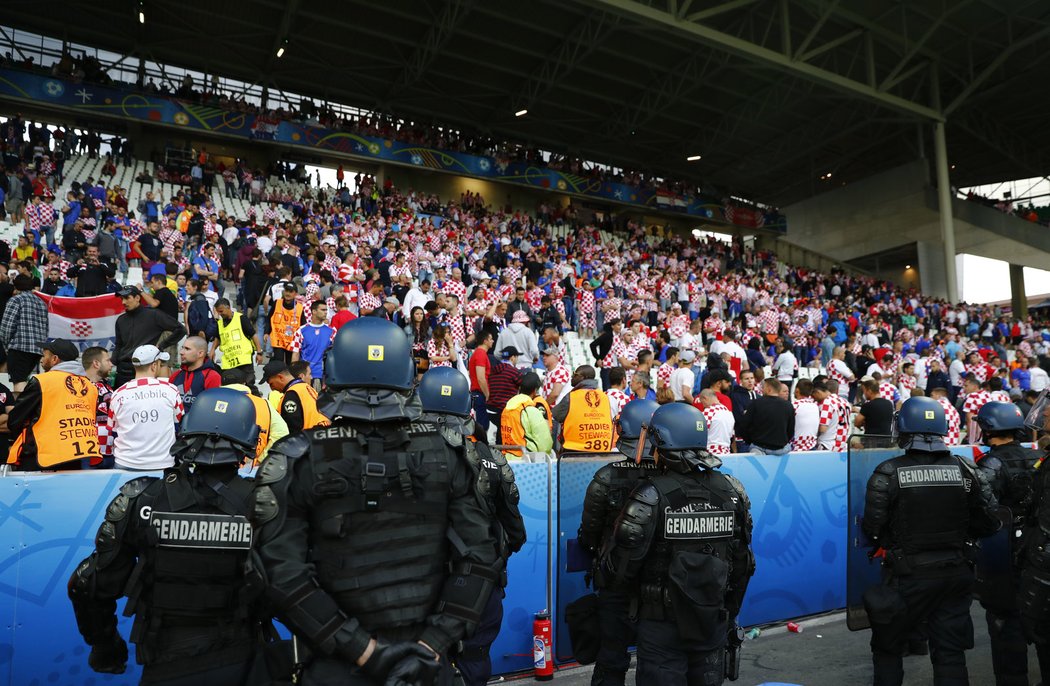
point(66, 429)
point(237, 349)
point(308, 401)
point(283, 325)
point(588, 425)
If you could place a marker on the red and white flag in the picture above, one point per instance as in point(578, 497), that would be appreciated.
point(84, 321)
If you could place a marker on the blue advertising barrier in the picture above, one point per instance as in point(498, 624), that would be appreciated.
point(117, 100)
point(799, 505)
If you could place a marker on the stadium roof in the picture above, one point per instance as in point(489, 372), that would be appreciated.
point(773, 94)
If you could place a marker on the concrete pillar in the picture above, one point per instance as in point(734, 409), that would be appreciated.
point(381, 177)
point(932, 280)
point(944, 203)
point(1018, 298)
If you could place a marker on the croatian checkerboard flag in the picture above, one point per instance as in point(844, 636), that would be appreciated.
point(84, 321)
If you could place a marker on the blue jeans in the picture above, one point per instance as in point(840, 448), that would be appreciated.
point(765, 451)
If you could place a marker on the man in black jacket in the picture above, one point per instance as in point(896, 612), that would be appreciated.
point(140, 326)
point(742, 395)
point(769, 424)
point(92, 275)
point(601, 346)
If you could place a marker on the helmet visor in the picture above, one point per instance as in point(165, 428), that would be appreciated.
point(1037, 416)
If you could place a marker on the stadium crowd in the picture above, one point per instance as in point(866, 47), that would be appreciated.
point(778, 357)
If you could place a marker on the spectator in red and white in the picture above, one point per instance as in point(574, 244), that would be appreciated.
point(887, 390)
point(833, 429)
point(807, 417)
point(97, 365)
point(840, 371)
point(940, 394)
point(720, 423)
point(552, 339)
point(683, 378)
point(907, 382)
point(974, 399)
point(441, 349)
point(143, 414)
point(995, 390)
point(977, 367)
point(664, 371)
point(618, 394)
point(556, 382)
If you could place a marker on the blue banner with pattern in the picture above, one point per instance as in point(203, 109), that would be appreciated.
point(117, 101)
point(799, 505)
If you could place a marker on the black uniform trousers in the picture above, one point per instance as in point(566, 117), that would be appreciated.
point(474, 661)
point(237, 674)
point(664, 659)
point(943, 603)
point(330, 671)
point(617, 635)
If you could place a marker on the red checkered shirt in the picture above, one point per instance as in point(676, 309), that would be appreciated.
point(803, 442)
point(888, 391)
point(617, 399)
point(720, 424)
point(433, 351)
point(366, 302)
point(834, 414)
point(972, 405)
point(663, 374)
point(954, 436)
point(559, 374)
point(105, 447)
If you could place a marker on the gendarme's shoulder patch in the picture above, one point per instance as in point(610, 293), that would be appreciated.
point(190, 530)
point(698, 525)
point(923, 475)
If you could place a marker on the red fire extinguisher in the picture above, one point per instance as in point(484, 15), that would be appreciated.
point(543, 665)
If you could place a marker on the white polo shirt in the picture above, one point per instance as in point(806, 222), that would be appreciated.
point(141, 422)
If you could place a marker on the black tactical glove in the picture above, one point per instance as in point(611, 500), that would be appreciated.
point(386, 655)
point(420, 668)
point(110, 656)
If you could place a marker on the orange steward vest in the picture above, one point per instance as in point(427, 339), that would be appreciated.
point(283, 325)
point(308, 401)
point(67, 428)
point(588, 425)
point(263, 419)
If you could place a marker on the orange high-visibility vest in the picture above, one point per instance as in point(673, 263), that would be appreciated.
point(67, 428)
point(588, 425)
point(512, 431)
point(308, 401)
point(283, 325)
point(263, 418)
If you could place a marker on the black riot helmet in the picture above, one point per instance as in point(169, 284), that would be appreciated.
point(678, 432)
point(444, 390)
point(633, 416)
point(369, 372)
point(219, 428)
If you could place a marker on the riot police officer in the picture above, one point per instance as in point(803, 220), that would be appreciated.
point(1034, 597)
point(924, 509)
point(445, 395)
point(177, 546)
point(378, 552)
point(606, 494)
point(1010, 470)
point(683, 541)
